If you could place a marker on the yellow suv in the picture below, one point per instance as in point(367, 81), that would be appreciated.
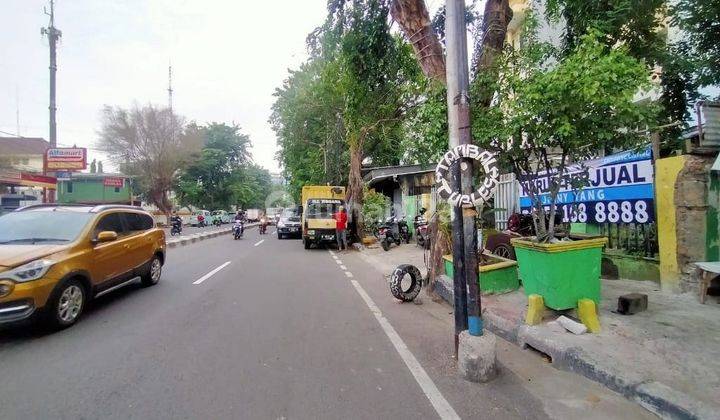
point(55, 257)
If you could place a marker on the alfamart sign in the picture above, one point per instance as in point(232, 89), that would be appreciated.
point(487, 187)
point(620, 190)
point(66, 158)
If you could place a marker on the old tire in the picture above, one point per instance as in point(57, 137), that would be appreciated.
point(385, 244)
point(505, 251)
point(66, 304)
point(152, 275)
point(410, 292)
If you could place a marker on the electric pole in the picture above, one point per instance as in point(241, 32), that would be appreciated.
point(465, 278)
point(170, 89)
point(53, 34)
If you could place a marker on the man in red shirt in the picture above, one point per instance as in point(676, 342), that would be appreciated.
point(341, 228)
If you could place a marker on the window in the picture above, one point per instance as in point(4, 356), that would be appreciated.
point(117, 189)
point(322, 209)
point(137, 222)
point(69, 187)
point(110, 222)
point(45, 226)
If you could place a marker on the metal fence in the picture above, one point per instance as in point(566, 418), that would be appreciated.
point(506, 200)
point(632, 238)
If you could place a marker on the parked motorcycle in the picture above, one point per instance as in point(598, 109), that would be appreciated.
point(422, 231)
point(238, 229)
point(201, 221)
point(217, 221)
point(389, 232)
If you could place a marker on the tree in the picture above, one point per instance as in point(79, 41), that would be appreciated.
point(639, 25)
point(307, 120)
point(208, 180)
point(700, 22)
point(582, 104)
point(150, 143)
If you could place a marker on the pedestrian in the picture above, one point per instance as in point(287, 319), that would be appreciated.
point(341, 228)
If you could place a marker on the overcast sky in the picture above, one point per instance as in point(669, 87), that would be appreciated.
point(228, 56)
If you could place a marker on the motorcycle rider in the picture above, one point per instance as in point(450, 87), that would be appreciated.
point(176, 221)
point(240, 217)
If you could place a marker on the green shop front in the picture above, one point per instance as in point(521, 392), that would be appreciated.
point(80, 188)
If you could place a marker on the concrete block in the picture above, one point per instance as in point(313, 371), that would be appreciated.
point(477, 360)
point(632, 303)
point(572, 326)
point(587, 311)
point(536, 309)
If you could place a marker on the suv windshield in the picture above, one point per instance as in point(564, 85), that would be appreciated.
point(323, 209)
point(41, 226)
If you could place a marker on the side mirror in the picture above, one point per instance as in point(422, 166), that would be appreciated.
point(106, 236)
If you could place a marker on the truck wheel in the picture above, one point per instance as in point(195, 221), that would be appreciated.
point(411, 290)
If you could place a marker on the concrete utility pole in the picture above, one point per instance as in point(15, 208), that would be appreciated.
point(463, 220)
point(53, 34)
point(475, 352)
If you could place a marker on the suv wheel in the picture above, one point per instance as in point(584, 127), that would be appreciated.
point(152, 276)
point(66, 304)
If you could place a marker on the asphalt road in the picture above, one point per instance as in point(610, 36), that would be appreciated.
point(277, 332)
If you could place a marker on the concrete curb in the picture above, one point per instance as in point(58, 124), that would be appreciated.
point(654, 396)
point(186, 240)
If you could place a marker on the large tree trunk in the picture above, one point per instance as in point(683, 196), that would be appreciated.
point(496, 17)
point(355, 188)
point(414, 19)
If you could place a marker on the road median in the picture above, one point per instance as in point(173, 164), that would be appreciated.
point(173, 242)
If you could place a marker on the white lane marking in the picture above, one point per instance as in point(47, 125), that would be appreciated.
point(338, 262)
point(208, 275)
point(273, 232)
point(331, 253)
point(343, 267)
point(259, 242)
point(441, 405)
point(349, 274)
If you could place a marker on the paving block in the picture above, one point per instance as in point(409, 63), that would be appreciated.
point(632, 303)
point(536, 308)
point(587, 311)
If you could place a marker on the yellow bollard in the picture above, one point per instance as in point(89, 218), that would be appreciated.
point(536, 308)
point(588, 315)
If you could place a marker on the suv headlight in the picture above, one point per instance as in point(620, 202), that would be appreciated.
point(28, 272)
point(280, 224)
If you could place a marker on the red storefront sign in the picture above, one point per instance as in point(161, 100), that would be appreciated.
point(27, 179)
point(113, 182)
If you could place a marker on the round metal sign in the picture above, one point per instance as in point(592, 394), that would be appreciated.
point(487, 186)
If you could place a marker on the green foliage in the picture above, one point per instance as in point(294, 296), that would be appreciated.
point(549, 116)
point(221, 174)
point(700, 21)
point(351, 95)
point(426, 127)
point(375, 206)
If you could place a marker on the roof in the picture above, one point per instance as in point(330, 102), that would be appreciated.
point(23, 146)
point(82, 208)
point(383, 172)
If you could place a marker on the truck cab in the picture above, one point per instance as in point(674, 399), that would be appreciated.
point(320, 203)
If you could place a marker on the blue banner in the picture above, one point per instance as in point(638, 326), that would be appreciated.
point(620, 190)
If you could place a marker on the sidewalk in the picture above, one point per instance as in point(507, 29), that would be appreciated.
point(667, 358)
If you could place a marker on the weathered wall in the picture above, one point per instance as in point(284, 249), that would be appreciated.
point(682, 186)
point(691, 201)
